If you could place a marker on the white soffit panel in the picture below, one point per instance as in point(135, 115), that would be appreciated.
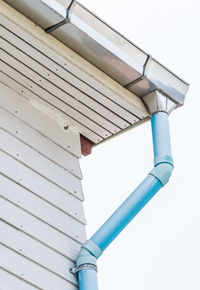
point(92, 102)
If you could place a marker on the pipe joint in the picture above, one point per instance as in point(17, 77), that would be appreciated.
point(162, 172)
point(92, 247)
point(163, 159)
point(88, 254)
point(85, 257)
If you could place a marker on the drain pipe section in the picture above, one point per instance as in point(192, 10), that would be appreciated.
point(86, 266)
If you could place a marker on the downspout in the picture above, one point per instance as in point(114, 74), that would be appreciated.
point(86, 266)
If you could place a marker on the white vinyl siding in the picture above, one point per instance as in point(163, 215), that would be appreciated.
point(41, 187)
point(10, 282)
point(42, 218)
point(38, 142)
point(38, 163)
point(28, 112)
point(32, 272)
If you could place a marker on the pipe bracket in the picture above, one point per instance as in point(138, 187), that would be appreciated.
point(83, 267)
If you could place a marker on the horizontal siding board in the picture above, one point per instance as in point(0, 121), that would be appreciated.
point(23, 110)
point(62, 119)
point(11, 282)
point(39, 230)
point(41, 209)
point(29, 271)
point(54, 93)
point(37, 252)
point(63, 79)
point(55, 53)
point(40, 143)
point(40, 164)
point(41, 187)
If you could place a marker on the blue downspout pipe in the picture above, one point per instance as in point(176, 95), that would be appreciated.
point(156, 179)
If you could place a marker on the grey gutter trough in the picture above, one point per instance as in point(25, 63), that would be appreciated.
point(104, 47)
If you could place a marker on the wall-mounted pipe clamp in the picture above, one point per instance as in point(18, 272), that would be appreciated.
point(87, 257)
point(75, 270)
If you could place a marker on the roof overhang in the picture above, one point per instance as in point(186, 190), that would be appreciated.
point(110, 73)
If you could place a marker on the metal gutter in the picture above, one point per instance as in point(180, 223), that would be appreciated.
point(105, 48)
point(44, 13)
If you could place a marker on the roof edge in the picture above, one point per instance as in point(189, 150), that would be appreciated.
point(75, 59)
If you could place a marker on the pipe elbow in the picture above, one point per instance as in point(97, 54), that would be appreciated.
point(85, 257)
point(162, 171)
point(88, 254)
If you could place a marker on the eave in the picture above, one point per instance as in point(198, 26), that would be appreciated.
point(61, 83)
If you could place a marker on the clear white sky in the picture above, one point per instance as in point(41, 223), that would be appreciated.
point(160, 249)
